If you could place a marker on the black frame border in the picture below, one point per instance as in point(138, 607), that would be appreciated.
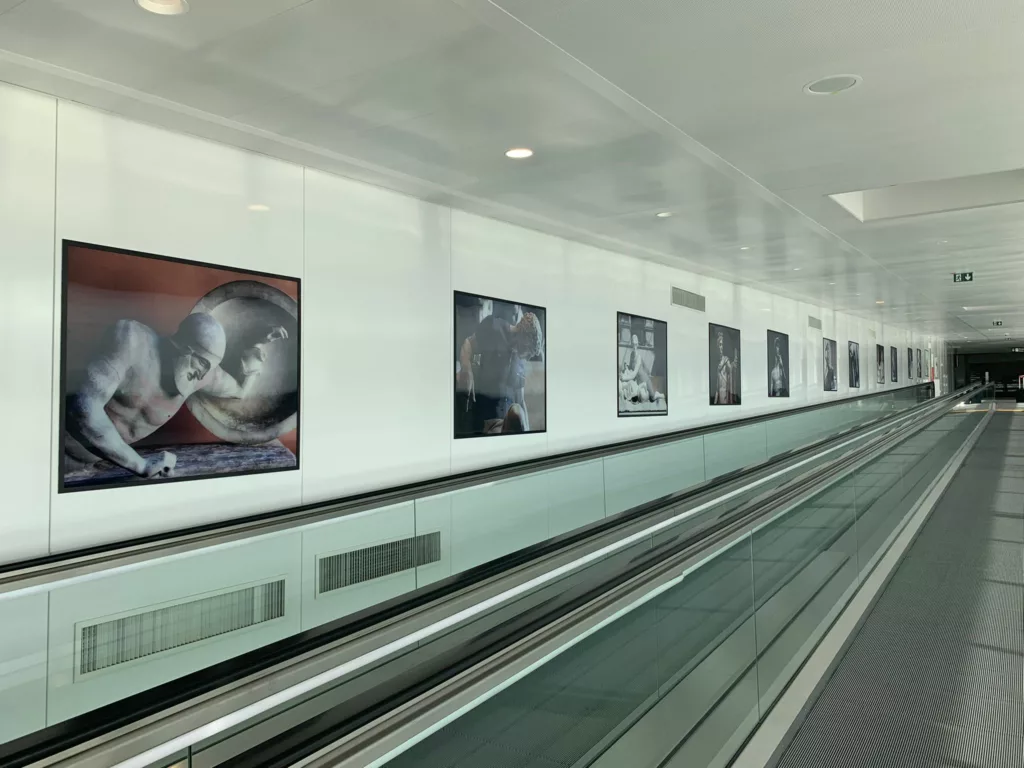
point(711, 398)
point(627, 414)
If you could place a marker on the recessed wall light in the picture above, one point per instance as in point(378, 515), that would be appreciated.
point(519, 153)
point(259, 207)
point(164, 7)
point(663, 214)
point(832, 84)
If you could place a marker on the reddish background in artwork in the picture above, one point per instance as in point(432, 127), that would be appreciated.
point(105, 286)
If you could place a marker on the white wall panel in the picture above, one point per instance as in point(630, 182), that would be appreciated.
point(127, 185)
point(27, 147)
point(22, 665)
point(377, 339)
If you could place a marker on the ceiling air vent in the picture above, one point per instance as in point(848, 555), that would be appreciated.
point(688, 299)
point(813, 322)
point(356, 566)
point(144, 634)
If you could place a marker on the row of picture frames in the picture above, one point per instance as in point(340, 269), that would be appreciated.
point(501, 375)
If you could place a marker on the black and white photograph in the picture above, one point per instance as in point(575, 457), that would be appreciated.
point(829, 359)
point(879, 364)
point(910, 363)
point(919, 375)
point(724, 365)
point(894, 365)
point(642, 367)
point(174, 370)
point(853, 349)
point(500, 367)
point(778, 364)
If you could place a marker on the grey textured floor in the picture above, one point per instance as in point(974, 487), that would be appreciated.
point(935, 676)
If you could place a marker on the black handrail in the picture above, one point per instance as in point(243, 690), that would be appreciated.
point(446, 483)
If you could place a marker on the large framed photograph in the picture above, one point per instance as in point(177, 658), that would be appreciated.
point(829, 360)
point(174, 370)
point(778, 364)
point(879, 364)
point(724, 386)
point(910, 363)
point(853, 350)
point(642, 366)
point(500, 367)
point(894, 365)
point(919, 375)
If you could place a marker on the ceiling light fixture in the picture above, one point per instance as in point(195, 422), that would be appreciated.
point(744, 247)
point(164, 7)
point(259, 207)
point(827, 86)
point(831, 283)
point(879, 302)
point(663, 214)
point(796, 269)
point(519, 153)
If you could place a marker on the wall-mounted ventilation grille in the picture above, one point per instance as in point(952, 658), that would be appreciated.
point(688, 299)
point(357, 566)
point(119, 641)
point(813, 322)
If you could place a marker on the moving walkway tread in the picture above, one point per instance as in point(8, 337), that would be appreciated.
point(935, 675)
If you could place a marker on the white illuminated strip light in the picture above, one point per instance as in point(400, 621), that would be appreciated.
point(251, 711)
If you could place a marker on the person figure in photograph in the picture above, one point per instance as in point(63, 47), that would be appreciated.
point(830, 371)
point(138, 380)
point(635, 380)
point(492, 371)
point(854, 353)
point(725, 392)
point(879, 365)
point(777, 377)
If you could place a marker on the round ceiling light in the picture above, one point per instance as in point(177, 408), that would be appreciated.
point(259, 207)
point(164, 7)
point(663, 214)
point(519, 153)
point(827, 86)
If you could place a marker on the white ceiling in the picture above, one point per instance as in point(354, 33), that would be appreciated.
point(633, 106)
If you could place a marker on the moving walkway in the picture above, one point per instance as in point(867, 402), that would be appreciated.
point(730, 576)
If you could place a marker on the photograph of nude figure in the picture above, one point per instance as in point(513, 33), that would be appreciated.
point(500, 367)
point(642, 366)
point(174, 370)
point(724, 382)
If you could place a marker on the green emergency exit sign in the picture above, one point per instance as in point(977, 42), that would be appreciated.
point(963, 277)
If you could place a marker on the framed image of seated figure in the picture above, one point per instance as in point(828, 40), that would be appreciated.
point(642, 366)
point(500, 367)
point(174, 370)
point(725, 382)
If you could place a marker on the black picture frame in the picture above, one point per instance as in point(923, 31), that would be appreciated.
point(63, 375)
point(879, 364)
point(732, 393)
point(778, 364)
point(466, 427)
point(830, 361)
point(853, 354)
point(919, 365)
point(910, 364)
point(894, 365)
point(652, 337)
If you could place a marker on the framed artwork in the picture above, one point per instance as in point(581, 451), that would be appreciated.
point(778, 364)
point(641, 366)
point(919, 375)
point(829, 359)
point(174, 370)
point(910, 363)
point(894, 365)
point(853, 350)
point(724, 385)
point(879, 364)
point(500, 367)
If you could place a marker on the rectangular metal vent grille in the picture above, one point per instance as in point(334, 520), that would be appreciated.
point(813, 322)
point(118, 641)
point(688, 299)
point(357, 566)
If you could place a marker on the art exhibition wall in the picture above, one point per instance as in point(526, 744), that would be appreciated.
point(378, 270)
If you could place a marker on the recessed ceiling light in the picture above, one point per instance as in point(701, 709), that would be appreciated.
point(943, 242)
point(879, 302)
point(744, 247)
point(827, 86)
point(796, 269)
point(164, 7)
point(519, 153)
point(856, 294)
point(663, 214)
point(259, 207)
point(831, 283)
